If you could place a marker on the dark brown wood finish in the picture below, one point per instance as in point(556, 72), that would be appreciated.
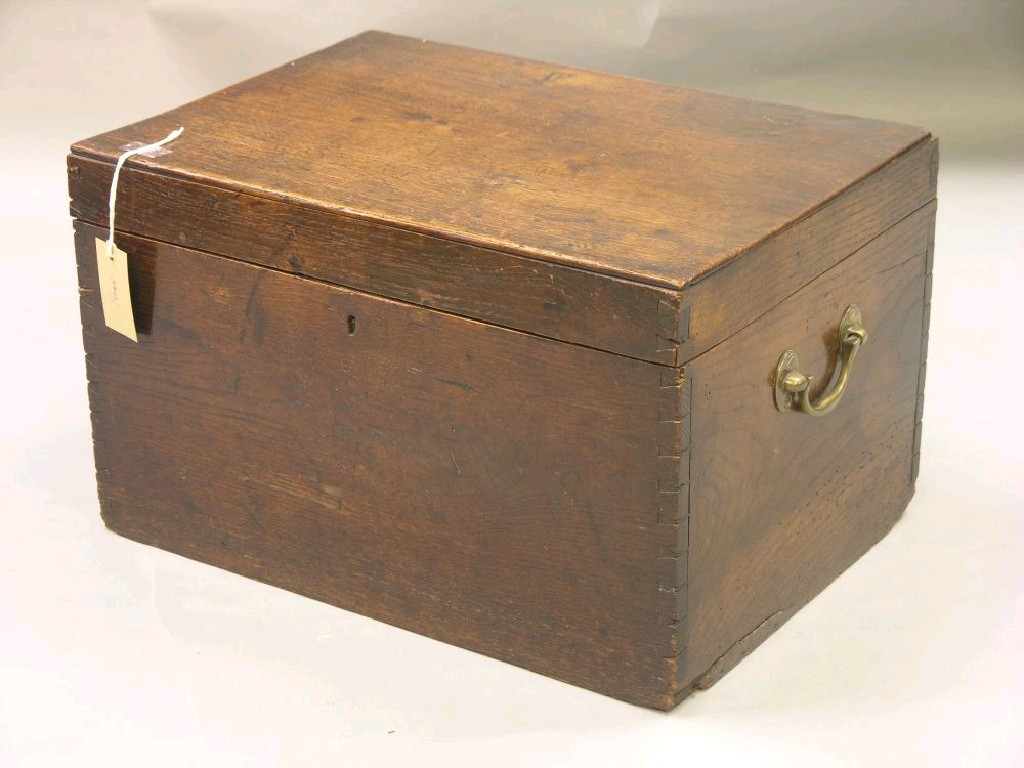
point(534, 164)
point(550, 300)
point(483, 348)
point(786, 502)
point(745, 288)
point(414, 466)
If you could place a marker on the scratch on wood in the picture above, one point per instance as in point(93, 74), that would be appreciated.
point(255, 314)
point(451, 382)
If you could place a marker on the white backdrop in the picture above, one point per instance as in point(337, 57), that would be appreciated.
point(116, 654)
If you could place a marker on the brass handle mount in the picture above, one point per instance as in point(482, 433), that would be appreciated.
point(792, 388)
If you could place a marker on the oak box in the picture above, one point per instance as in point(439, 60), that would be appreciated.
point(602, 377)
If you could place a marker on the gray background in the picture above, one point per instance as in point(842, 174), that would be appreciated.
point(117, 654)
point(73, 68)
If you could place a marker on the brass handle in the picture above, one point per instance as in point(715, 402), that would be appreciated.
point(792, 387)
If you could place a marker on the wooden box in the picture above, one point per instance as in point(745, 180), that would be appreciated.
point(489, 349)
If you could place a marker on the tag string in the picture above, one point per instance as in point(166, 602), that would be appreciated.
point(117, 173)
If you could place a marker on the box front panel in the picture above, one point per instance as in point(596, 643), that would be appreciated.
point(782, 502)
point(482, 486)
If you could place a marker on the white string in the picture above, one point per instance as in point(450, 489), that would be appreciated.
point(117, 172)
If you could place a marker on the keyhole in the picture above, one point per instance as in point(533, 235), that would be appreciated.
point(351, 324)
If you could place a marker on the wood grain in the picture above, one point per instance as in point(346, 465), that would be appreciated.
point(744, 289)
point(655, 183)
point(786, 502)
point(483, 348)
point(481, 486)
point(505, 289)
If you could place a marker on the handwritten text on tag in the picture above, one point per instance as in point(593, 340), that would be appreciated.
point(112, 268)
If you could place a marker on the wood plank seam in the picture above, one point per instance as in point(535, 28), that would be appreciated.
point(893, 163)
point(726, 299)
point(667, 356)
point(846, 258)
point(565, 302)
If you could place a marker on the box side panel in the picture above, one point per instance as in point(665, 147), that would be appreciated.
point(726, 300)
point(477, 485)
point(501, 288)
point(782, 502)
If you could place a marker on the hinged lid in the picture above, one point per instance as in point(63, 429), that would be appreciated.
point(571, 204)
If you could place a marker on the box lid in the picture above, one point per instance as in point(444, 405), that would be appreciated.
point(472, 181)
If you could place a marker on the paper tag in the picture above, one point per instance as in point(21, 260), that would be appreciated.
point(114, 292)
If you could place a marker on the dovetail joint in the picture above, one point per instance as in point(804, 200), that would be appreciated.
point(671, 517)
point(673, 327)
